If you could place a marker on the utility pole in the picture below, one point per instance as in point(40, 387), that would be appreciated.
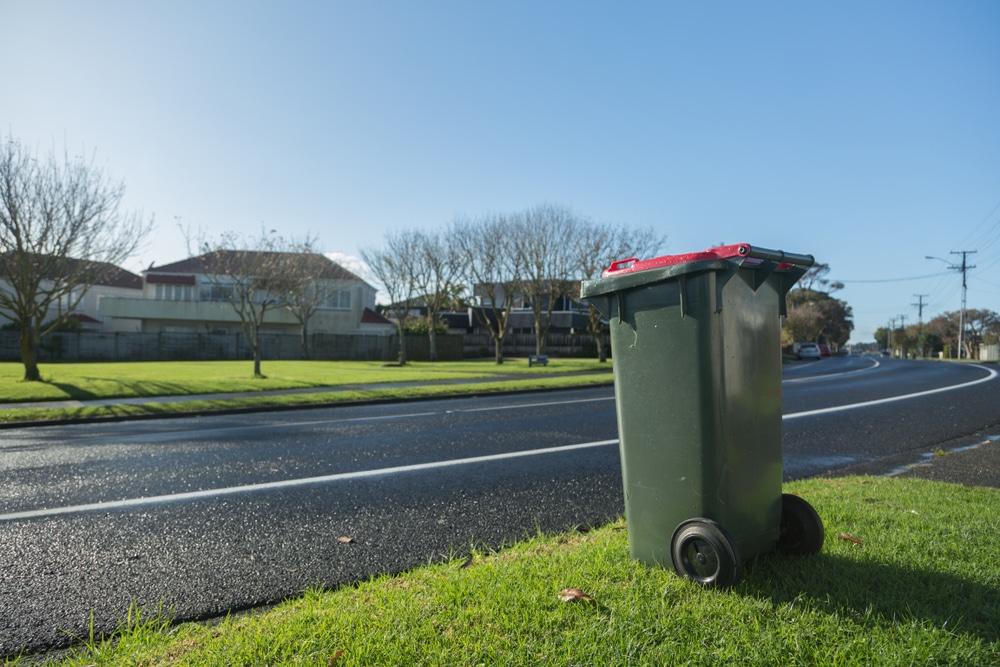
point(961, 326)
point(920, 308)
point(892, 325)
point(920, 319)
point(902, 326)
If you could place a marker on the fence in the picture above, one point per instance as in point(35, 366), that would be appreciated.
point(125, 346)
point(521, 345)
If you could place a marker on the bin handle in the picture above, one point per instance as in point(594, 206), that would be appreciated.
point(781, 257)
point(621, 262)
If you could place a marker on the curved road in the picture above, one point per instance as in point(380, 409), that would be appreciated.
point(211, 514)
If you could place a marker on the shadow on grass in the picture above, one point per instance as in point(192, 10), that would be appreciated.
point(126, 390)
point(873, 593)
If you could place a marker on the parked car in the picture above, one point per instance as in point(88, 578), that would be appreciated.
point(824, 350)
point(809, 351)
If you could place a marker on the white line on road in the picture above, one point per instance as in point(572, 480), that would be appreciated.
point(810, 378)
point(215, 493)
point(228, 491)
point(840, 408)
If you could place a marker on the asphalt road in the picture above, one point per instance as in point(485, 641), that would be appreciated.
point(212, 514)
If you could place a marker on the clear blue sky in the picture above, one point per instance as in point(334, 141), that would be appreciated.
point(864, 133)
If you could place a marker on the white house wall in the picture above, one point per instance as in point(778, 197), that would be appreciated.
point(163, 315)
point(90, 306)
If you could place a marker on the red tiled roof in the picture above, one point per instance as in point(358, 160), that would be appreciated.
point(103, 273)
point(369, 316)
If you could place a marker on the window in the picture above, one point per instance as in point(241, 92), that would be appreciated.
point(210, 292)
point(339, 299)
point(174, 292)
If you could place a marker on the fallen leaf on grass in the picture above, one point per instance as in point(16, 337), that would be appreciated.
point(336, 657)
point(574, 594)
point(466, 564)
point(850, 538)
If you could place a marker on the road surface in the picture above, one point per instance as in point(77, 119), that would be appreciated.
point(212, 514)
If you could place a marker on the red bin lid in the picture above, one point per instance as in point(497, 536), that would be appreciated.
point(633, 264)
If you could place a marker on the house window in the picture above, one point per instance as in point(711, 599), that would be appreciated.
point(174, 292)
point(339, 299)
point(212, 292)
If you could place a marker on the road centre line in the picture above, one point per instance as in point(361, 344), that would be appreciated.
point(833, 375)
point(991, 374)
point(173, 435)
point(537, 404)
point(291, 483)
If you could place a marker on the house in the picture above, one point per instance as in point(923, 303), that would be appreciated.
point(569, 315)
point(108, 281)
point(190, 296)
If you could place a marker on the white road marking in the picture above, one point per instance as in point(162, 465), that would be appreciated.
point(875, 364)
point(215, 493)
point(853, 406)
point(291, 483)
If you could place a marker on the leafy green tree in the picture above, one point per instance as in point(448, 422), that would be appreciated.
point(814, 315)
point(929, 343)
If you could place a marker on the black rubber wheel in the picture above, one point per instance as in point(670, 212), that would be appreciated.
point(801, 528)
point(704, 552)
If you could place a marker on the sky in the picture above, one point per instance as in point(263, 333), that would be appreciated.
point(864, 133)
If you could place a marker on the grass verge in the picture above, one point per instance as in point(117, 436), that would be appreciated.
point(908, 575)
point(83, 382)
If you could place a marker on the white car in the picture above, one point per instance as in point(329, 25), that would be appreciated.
point(809, 351)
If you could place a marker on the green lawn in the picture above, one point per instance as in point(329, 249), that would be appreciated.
point(908, 576)
point(182, 378)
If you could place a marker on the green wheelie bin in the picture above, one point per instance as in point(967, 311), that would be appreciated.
point(696, 348)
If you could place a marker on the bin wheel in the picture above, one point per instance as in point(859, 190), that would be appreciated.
point(704, 552)
point(801, 532)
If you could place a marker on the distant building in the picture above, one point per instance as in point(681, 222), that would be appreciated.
point(189, 297)
point(116, 283)
point(569, 315)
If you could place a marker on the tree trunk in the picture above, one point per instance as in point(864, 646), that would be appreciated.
point(256, 361)
point(255, 348)
point(401, 359)
point(498, 348)
point(602, 355)
point(539, 338)
point(432, 343)
point(305, 342)
point(29, 354)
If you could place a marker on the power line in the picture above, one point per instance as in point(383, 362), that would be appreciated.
point(894, 280)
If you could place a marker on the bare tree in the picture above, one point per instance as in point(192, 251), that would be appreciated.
point(61, 233)
point(542, 238)
point(393, 267)
point(303, 286)
point(248, 274)
point(436, 273)
point(596, 246)
point(490, 266)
